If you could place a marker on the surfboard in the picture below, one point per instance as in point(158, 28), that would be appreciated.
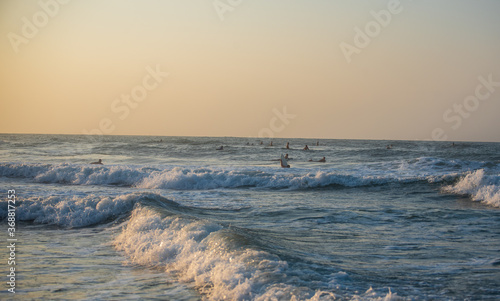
point(284, 162)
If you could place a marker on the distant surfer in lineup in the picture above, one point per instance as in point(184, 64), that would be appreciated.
point(220, 148)
point(306, 147)
point(287, 145)
point(283, 162)
point(271, 144)
point(320, 160)
point(317, 143)
point(98, 162)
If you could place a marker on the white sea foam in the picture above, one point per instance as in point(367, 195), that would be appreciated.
point(197, 178)
point(73, 211)
point(217, 260)
point(75, 174)
point(221, 263)
point(371, 294)
point(479, 186)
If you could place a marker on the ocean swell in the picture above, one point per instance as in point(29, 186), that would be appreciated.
point(200, 178)
point(221, 263)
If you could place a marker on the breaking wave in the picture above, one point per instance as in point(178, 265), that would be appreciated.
point(75, 211)
point(479, 187)
point(220, 261)
point(199, 178)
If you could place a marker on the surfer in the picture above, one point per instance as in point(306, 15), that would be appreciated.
point(220, 148)
point(98, 162)
point(306, 147)
point(283, 162)
point(271, 144)
point(288, 145)
point(320, 160)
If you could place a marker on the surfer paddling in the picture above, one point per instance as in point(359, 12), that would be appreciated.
point(320, 160)
point(98, 162)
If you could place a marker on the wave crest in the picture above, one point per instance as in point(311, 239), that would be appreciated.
point(74, 211)
point(217, 260)
point(479, 187)
point(198, 178)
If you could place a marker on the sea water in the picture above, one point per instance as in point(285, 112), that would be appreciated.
point(172, 218)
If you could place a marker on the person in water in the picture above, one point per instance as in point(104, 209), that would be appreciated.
point(98, 162)
point(288, 145)
point(283, 165)
point(320, 160)
point(306, 147)
point(220, 148)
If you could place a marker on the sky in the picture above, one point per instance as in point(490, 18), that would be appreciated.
point(406, 70)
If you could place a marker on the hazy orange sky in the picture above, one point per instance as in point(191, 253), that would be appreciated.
point(342, 69)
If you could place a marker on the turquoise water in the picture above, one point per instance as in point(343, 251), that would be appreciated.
point(171, 218)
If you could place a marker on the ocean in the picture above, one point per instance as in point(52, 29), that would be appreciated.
point(172, 218)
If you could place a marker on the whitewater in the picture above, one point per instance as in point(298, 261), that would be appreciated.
point(172, 218)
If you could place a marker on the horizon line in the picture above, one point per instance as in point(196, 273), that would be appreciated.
point(258, 138)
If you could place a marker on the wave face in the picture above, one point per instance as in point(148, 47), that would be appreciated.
point(202, 178)
point(74, 211)
point(479, 187)
point(221, 262)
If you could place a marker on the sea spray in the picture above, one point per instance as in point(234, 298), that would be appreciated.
point(479, 186)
